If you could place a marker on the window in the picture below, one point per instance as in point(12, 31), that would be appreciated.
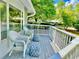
point(3, 21)
point(14, 19)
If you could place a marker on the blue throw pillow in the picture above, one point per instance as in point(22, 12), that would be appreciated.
point(34, 49)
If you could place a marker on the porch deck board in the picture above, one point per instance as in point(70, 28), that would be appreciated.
point(46, 50)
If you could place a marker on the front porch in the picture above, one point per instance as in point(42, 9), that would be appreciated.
point(54, 42)
point(44, 41)
point(46, 50)
point(51, 40)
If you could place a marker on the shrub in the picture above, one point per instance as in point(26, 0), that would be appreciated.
point(67, 20)
point(76, 26)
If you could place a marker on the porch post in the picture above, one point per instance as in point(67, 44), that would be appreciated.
point(7, 8)
point(7, 14)
point(0, 26)
point(0, 31)
point(23, 18)
point(21, 21)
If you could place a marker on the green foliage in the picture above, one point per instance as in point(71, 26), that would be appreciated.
point(67, 14)
point(76, 12)
point(14, 12)
point(77, 8)
point(44, 9)
point(2, 12)
point(76, 25)
point(61, 4)
point(2, 5)
point(66, 20)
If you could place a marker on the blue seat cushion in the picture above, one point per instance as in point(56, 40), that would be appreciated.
point(34, 49)
point(55, 56)
point(35, 38)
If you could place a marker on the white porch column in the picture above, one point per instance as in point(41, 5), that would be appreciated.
point(24, 18)
point(21, 23)
point(0, 31)
point(7, 8)
point(0, 27)
point(7, 14)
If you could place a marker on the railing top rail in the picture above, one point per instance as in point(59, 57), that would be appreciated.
point(65, 32)
point(69, 48)
point(37, 25)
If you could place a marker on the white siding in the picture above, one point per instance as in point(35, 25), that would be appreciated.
point(28, 5)
point(16, 3)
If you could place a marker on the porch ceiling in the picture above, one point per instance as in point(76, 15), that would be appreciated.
point(21, 5)
point(28, 5)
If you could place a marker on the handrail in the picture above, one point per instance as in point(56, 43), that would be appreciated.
point(63, 40)
point(37, 25)
point(38, 29)
point(60, 38)
point(52, 27)
point(69, 50)
point(65, 32)
point(65, 52)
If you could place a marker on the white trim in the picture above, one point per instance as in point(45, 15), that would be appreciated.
point(21, 21)
point(7, 14)
point(17, 18)
point(65, 32)
point(28, 5)
point(23, 17)
point(0, 31)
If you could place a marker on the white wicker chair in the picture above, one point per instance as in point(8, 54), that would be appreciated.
point(27, 32)
point(16, 38)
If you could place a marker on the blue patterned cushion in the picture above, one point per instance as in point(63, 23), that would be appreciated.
point(34, 49)
point(35, 39)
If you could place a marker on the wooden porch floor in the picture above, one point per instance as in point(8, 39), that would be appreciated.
point(46, 50)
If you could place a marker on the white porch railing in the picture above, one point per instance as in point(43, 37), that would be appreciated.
point(65, 43)
point(71, 51)
point(39, 29)
point(60, 38)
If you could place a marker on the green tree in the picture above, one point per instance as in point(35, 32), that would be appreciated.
point(76, 25)
point(59, 9)
point(2, 12)
point(44, 9)
point(68, 16)
point(14, 12)
point(66, 20)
